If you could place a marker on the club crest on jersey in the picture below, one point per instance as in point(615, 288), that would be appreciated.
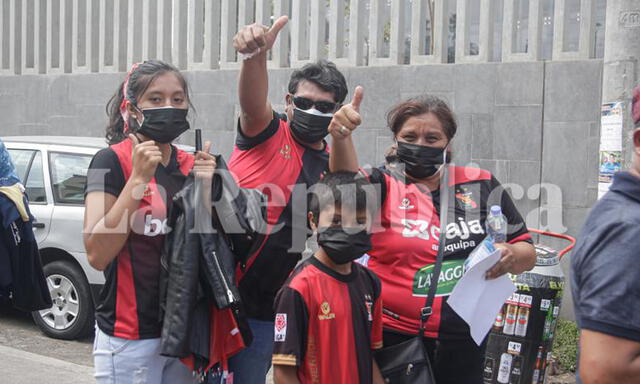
point(280, 327)
point(286, 151)
point(465, 198)
point(325, 312)
point(406, 204)
point(368, 302)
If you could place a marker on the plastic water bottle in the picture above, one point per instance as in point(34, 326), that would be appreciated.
point(497, 225)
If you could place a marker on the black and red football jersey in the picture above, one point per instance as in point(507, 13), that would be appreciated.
point(328, 324)
point(129, 303)
point(405, 243)
point(283, 169)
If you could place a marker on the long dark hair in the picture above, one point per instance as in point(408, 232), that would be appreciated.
point(139, 80)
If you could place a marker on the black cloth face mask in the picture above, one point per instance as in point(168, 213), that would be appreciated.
point(310, 126)
point(421, 161)
point(342, 246)
point(163, 125)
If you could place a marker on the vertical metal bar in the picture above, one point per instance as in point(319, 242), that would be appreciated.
point(317, 30)
point(356, 32)
point(228, 28)
point(299, 32)
point(462, 31)
point(211, 55)
point(336, 29)
point(245, 12)
point(280, 50)
point(418, 26)
point(397, 47)
point(263, 12)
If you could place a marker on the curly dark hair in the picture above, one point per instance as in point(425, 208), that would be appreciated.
point(325, 75)
point(139, 80)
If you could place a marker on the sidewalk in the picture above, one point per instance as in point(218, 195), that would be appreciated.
point(25, 367)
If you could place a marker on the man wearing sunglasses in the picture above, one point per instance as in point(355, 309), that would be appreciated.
point(283, 155)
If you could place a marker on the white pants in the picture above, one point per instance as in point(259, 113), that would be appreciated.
point(122, 361)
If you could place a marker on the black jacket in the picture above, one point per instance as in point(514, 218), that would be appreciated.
point(20, 266)
point(200, 258)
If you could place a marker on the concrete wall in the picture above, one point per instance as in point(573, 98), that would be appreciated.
point(528, 123)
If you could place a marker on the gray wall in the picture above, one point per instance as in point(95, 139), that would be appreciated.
point(528, 123)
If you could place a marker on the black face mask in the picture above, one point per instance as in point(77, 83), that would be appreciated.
point(163, 125)
point(420, 161)
point(341, 246)
point(310, 127)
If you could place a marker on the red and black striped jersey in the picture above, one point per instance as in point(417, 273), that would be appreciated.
point(130, 299)
point(282, 168)
point(327, 324)
point(406, 237)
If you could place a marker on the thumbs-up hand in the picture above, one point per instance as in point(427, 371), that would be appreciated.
point(348, 116)
point(145, 158)
point(256, 38)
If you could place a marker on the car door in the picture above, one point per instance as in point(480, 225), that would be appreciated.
point(68, 181)
point(31, 168)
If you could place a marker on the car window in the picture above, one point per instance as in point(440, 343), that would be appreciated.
point(69, 176)
point(21, 159)
point(34, 183)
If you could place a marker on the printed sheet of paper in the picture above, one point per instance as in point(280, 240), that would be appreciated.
point(477, 300)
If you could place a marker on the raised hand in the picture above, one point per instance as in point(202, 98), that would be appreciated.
point(205, 163)
point(146, 157)
point(255, 38)
point(348, 116)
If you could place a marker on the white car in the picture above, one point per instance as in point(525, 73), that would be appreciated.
point(53, 170)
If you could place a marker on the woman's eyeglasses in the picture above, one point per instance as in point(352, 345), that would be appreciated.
point(322, 106)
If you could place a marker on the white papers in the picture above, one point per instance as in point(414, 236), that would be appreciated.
point(610, 144)
point(477, 300)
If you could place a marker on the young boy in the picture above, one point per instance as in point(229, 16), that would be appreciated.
point(329, 312)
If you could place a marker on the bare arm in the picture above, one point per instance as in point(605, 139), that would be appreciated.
point(516, 258)
point(253, 85)
point(343, 155)
point(285, 374)
point(107, 223)
point(106, 218)
point(606, 359)
point(377, 375)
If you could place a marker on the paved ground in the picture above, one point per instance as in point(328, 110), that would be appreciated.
point(28, 356)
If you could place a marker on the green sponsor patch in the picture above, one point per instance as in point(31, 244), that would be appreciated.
point(449, 275)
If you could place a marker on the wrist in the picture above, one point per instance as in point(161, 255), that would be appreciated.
point(138, 185)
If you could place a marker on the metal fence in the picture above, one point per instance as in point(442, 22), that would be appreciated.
point(80, 36)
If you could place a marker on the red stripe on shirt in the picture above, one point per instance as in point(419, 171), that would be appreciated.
point(126, 324)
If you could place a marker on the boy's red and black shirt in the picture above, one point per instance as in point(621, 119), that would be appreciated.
point(326, 321)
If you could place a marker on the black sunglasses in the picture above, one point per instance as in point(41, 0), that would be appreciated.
point(322, 106)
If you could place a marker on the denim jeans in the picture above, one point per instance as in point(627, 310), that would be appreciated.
point(251, 365)
point(123, 361)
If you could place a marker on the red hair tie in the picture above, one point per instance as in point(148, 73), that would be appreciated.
point(124, 112)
